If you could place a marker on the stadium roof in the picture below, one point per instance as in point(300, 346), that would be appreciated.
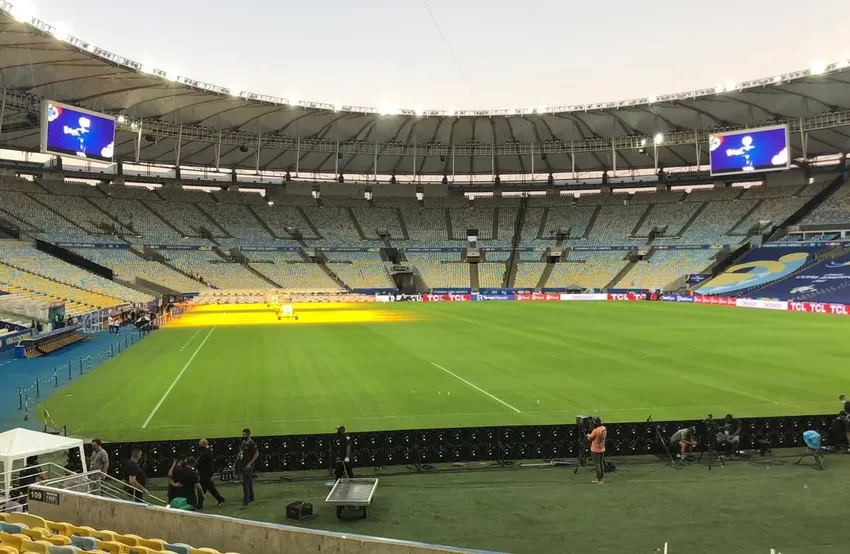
point(217, 127)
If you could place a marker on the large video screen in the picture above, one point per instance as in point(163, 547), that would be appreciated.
point(70, 131)
point(764, 149)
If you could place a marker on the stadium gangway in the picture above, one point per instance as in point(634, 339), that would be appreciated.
point(97, 483)
point(53, 471)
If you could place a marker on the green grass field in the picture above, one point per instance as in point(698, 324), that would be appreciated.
point(460, 364)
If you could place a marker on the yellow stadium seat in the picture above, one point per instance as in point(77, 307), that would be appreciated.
point(154, 544)
point(106, 536)
point(129, 540)
point(60, 528)
point(36, 534)
point(59, 540)
point(3, 517)
point(29, 520)
point(142, 550)
point(15, 541)
point(82, 531)
point(203, 551)
point(8, 550)
point(38, 547)
point(113, 547)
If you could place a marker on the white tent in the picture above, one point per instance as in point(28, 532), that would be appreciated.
point(19, 444)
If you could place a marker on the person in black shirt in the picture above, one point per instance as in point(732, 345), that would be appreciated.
point(248, 455)
point(839, 431)
point(206, 469)
point(173, 488)
point(188, 485)
point(343, 461)
point(135, 476)
point(729, 436)
point(30, 475)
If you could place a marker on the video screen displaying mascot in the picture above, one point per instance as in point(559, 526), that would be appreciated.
point(749, 151)
point(70, 131)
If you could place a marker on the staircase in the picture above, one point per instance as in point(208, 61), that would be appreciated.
point(511, 267)
point(814, 202)
point(150, 254)
point(334, 276)
point(110, 217)
point(495, 231)
point(262, 223)
point(449, 229)
point(542, 228)
point(641, 220)
point(591, 222)
point(693, 218)
point(544, 277)
point(473, 277)
point(312, 227)
point(620, 276)
point(161, 218)
point(34, 198)
point(262, 276)
point(401, 224)
point(731, 231)
point(356, 223)
point(212, 220)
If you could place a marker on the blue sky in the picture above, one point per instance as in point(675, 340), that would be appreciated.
point(500, 54)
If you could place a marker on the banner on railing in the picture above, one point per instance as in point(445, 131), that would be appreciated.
point(716, 300)
point(537, 296)
point(483, 296)
point(762, 304)
point(818, 308)
point(446, 297)
point(110, 245)
point(177, 247)
point(631, 295)
point(573, 297)
point(269, 248)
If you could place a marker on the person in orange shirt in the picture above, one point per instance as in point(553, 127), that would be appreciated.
point(597, 448)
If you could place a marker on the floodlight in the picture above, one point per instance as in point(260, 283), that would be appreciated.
point(23, 11)
point(121, 119)
point(718, 89)
point(388, 109)
point(452, 112)
point(652, 99)
point(643, 142)
point(271, 203)
point(234, 91)
point(541, 110)
point(659, 138)
point(419, 111)
point(842, 64)
point(293, 101)
point(147, 67)
point(61, 32)
point(171, 75)
point(817, 68)
point(337, 107)
point(730, 86)
point(777, 79)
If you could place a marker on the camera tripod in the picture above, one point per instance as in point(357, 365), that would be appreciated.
point(711, 449)
point(670, 461)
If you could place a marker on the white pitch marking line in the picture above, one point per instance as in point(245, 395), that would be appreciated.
point(190, 340)
point(479, 389)
point(173, 383)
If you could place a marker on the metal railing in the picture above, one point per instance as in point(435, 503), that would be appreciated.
point(18, 494)
point(29, 396)
point(97, 483)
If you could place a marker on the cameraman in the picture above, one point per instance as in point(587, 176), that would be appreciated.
point(839, 432)
point(596, 438)
point(730, 434)
point(686, 440)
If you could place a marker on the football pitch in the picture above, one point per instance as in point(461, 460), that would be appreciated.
point(414, 366)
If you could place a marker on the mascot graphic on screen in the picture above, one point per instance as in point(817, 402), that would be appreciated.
point(82, 131)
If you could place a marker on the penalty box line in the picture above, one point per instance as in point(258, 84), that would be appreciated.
point(173, 383)
point(479, 389)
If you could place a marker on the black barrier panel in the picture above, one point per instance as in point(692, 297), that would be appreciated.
point(428, 447)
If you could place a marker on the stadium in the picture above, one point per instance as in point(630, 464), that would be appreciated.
point(419, 314)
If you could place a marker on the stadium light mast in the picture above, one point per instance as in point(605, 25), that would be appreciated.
point(573, 158)
point(139, 140)
point(259, 144)
point(218, 151)
point(179, 140)
point(613, 158)
point(2, 111)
